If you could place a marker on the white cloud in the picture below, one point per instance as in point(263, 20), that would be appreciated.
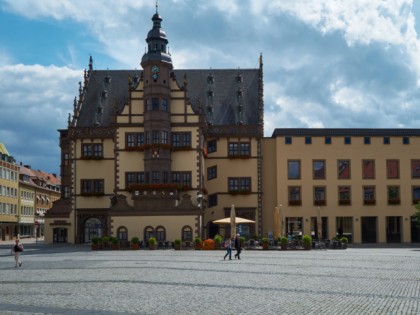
point(35, 103)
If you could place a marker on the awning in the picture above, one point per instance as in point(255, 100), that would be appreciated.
point(238, 220)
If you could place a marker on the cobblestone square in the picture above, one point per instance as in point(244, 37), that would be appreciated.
point(71, 279)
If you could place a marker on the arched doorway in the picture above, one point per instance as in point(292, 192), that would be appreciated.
point(93, 227)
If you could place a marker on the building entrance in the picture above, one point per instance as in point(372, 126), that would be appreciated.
point(393, 229)
point(93, 228)
point(369, 229)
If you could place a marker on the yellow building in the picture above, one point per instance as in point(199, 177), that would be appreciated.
point(362, 183)
point(9, 183)
point(134, 152)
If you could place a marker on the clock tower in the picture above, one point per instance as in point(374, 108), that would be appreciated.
point(157, 68)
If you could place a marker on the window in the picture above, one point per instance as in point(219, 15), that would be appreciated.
point(393, 195)
point(187, 234)
point(319, 196)
point(164, 105)
point(212, 202)
point(294, 196)
point(416, 194)
point(160, 234)
point(211, 146)
point(369, 195)
point(318, 169)
point(181, 139)
point(212, 172)
point(293, 169)
point(239, 184)
point(122, 234)
point(344, 196)
point(392, 169)
point(155, 134)
point(66, 160)
point(134, 178)
point(233, 149)
point(87, 150)
point(245, 149)
point(155, 104)
point(287, 140)
point(366, 140)
point(155, 177)
point(308, 140)
point(134, 139)
point(387, 140)
point(182, 178)
point(148, 233)
point(368, 171)
point(148, 105)
point(415, 169)
point(406, 140)
point(347, 140)
point(97, 150)
point(343, 168)
point(164, 137)
point(327, 140)
point(91, 187)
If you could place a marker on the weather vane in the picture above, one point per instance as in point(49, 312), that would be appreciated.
point(157, 6)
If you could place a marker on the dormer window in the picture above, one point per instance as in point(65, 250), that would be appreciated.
point(239, 78)
point(210, 93)
point(210, 79)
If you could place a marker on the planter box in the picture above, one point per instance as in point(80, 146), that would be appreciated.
point(135, 246)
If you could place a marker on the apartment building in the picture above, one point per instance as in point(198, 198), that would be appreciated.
point(9, 183)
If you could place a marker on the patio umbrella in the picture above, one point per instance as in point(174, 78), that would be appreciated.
point(276, 223)
point(281, 220)
point(232, 221)
point(238, 220)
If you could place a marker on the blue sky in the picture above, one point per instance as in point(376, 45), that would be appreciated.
point(327, 63)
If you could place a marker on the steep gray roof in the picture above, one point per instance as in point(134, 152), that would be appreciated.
point(102, 96)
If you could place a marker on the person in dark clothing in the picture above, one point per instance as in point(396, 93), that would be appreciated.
point(16, 250)
point(238, 246)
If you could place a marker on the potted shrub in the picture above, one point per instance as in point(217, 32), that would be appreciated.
point(177, 244)
point(135, 243)
point(218, 239)
point(152, 243)
point(307, 242)
point(283, 242)
point(344, 240)
point(197, 243)
point(115, 243)
point(264, 243)
point(95, 243)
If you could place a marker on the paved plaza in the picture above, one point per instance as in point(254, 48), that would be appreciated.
point(72, 279)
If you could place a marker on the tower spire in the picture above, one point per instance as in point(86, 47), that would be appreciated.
point(157, 5)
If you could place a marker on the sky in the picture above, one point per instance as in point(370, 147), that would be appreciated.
point(327, 63)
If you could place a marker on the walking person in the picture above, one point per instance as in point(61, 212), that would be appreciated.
point(228, 246)
point(17, 249)
point(238, 246)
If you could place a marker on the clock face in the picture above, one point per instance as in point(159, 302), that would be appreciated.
point(155, 72)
